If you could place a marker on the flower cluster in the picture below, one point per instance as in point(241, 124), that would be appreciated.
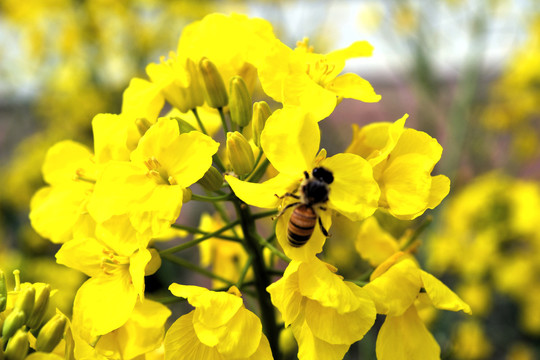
point(107, 207)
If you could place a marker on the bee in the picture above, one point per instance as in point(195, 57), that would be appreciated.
point(314, 191)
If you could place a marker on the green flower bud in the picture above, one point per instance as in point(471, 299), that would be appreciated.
point(17, 347)
point(13, 322)
point(51, 333)
point(212, 179)
point(215, 92)
point(3, 291)
point(196, 89)
point(142, 125)
point(25, 301)
point(261, 112)
point(40, 306)
point(184, 126)
point(240, 105)
point(240, 153)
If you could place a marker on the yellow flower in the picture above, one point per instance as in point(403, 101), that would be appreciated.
point(471, 342)
point(107, 299)
point(140, 334)
point(395, 288)
point(373, 243)
point(227, 258)
point(326, 314)
point(149, 189)
point(290, 141)
point(219, 328)
point(58, 212)
point(303, 78)
point(402, 161)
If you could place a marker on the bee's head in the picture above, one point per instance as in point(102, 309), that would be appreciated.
point(323, 175)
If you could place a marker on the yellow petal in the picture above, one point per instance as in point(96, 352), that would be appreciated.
point(356, 49)
point(341, 328)
point(441, 296)
point(417, 142)
point(264, 194)
point(104, 303)
point(144, 330)
point(285, 295)
point(181, 343)
point(354, 87)
point(405, 337)
point(142, 99)
point(407, 184)
point(312, 348)
point(83, 254)
point(290, 140)
point(373, 243)
point(137, 266)
point(354, 192)
point(115, 137)
point(243, 335)
point(440, 187)
point(395, 291)
point(64, 159)
point(302, 92)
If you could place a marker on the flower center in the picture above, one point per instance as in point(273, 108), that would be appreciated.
point(320, 71)
point(112, 262)
point(157, 172)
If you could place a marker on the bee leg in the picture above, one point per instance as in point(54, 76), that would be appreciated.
point(325, 233)
point(284, 209)
point(288, 194)
point(306, 174)
point(323, 208)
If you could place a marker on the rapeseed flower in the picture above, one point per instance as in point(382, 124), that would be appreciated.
point(326, 314)
point(220, 327)
point(303, 78)
point(290, 141)
point(402, 161)
point(149, 190)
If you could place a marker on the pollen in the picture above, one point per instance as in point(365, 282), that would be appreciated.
point(320, 71)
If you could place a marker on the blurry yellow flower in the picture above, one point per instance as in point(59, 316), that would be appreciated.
point(402, 161)
point(290, 141)
point(220, 327)
point(326, 314)
point(471, 342)
point(226, 258)
point(373, 243)
point(303, 78)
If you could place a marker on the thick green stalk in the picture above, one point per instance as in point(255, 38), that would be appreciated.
point(262, 278)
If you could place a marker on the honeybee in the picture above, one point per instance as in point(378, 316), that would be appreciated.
point(314, 191)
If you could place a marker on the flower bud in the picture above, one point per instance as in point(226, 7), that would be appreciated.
point(40, 306)
point(261, 112)
point(142, 125)
point(215, 92)
point(186, 195)
point(240, 106)
point(184, 126)
point(212, 179)
point(3, 291)
point(25, 301)
point(13, 322)
point(240, 153)
point(51, 333)
point(17, 347)
point(196, 89)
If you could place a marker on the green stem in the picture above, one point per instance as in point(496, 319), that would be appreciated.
point(193, 230)
point(259, 156)
point(245, 269)
point(210, 198)
point(262, 278)
point(419, 230)
point(263, 214)
point(186, 264)
point(223, 121)
point(259, 172)
point(274, 250)
point(194, 110)
point(197, 241)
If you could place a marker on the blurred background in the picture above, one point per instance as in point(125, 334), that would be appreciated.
point(467, 73)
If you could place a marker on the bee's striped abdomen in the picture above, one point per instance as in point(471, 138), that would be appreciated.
point(301, 225)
